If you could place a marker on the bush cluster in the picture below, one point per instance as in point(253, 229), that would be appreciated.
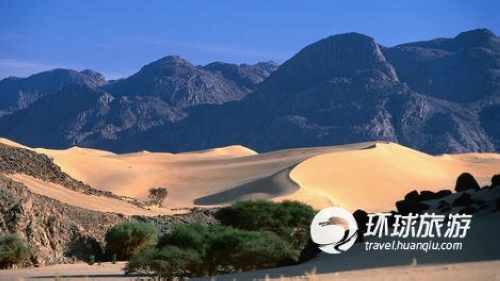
point(124, 239)
point(196, 249)
point(13, 250)
point(252, 235)
point(289, 219)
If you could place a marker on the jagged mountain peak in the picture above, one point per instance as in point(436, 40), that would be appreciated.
point(182, 85)
point(169, 61)
point(349, 50)
point(166, 66)
point(338, 56)
point(477, 38)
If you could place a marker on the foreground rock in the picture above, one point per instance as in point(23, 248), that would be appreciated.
point(60, 233)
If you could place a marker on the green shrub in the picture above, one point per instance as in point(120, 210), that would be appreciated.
point(265, 215)
point(127, 237)
point(13, 250)
point(194, 250)
point(193, 235)
point(234, 250)
point(289, 219)
point(166, 263)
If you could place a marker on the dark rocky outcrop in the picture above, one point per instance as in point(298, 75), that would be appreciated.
point(412, 195)
point(406, 207)
point(361, 218)
point(425, 195)
point(466, 182)
point(469, 210)
point(495, 181)
point(464, 199)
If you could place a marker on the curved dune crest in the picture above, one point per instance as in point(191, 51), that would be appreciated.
point(369, 176)
point(374, 179)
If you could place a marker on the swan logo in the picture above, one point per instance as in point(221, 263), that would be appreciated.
point(334, 229)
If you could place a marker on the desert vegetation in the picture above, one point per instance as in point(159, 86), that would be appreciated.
point(157, 195)
point(13, 250)
point(126, 238)
point(251, 235)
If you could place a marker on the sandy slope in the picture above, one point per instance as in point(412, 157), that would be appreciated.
point(371, 176)
point(373, 179)
point(90, 202)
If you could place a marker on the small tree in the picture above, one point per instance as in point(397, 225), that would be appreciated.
point(127, 237)
point(13, 250)
point(157, 195)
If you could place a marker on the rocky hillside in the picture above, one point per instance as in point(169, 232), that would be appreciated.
point(60, 233)
point(57, 232)
point(438, 96)
point(14, 160)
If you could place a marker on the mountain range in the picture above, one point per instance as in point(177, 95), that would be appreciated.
point(438, 96)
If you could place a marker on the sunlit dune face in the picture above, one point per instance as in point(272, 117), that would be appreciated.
point(368, 176)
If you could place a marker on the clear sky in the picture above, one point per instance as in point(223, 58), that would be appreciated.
point(118, 37)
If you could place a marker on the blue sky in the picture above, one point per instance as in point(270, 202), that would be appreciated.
point(117, 38)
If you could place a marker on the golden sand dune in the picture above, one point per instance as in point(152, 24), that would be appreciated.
point(373, 179)
point(204, 178)
point(371, 176)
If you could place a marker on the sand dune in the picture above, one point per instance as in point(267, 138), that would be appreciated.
point(371, 176)
point(202, 178)
point(373, 179)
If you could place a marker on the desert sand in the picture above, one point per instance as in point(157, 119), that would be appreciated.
point(370, 176)
point(484, 270)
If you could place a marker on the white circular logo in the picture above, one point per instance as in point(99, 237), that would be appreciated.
point(334, 229)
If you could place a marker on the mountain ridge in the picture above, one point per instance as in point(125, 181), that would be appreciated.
point(438, 96)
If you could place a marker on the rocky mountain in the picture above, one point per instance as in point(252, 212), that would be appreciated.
point(438, 96)
point(347, 88)
point(19, 93)
point(162, 92)
point(180, 84)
